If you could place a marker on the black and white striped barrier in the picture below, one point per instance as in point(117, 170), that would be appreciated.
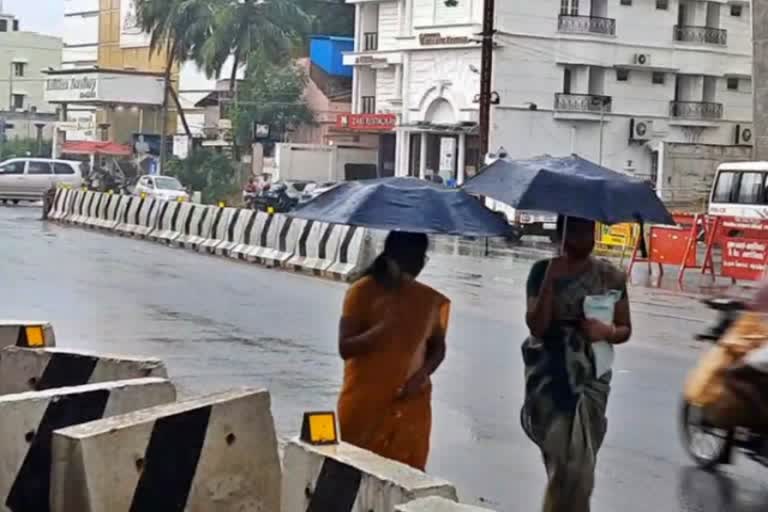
point(217, 453)
point(434, 504)
point(147, 218)
point(129, 217)
point(15, 333)
point(354, 254)
point(283, 236)
point(317, 247)
point(109, 213)
point(76, 208)
point(254, 237)
point(29, 420)
point(26, 369)
point(97, 211)
point(239, 223)
point(344, 478)
point(220, 228)
point(167, 217)
point(86, 207)
point(62, 204)
point(197, 228)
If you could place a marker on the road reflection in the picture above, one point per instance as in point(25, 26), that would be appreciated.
point(702, 491)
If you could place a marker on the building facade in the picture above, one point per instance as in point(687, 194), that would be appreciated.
point(611, 80)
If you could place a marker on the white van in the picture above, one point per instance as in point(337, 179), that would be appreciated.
point(739, 190)
point(27, 179)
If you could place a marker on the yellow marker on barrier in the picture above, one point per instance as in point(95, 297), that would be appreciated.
point(271, 210)
point(222, 204)
point(180, 199)
point(110, 192)
point(143, 195)
point(319, 428)
point(35, 335)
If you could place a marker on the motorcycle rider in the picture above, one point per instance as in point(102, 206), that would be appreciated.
point(250, 192)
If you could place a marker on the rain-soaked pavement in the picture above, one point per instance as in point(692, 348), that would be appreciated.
point(220, 324)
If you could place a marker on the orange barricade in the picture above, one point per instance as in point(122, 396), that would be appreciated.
point(668, 245)
point(743, 245)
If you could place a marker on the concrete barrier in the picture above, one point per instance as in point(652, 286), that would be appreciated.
point(217, 453)
point(25, 369)
point(76, 209)
point(254, 237)
point(29, 420)
point(98, 206)
point(62, 204)
point(346, 478)
point(355, 252)
point(281, 241)
point(129, 217)
point(109, 216)
point(197, 228)
point(14, 333)
point(147, 217)
point(317, 248)
point(222, 221)
point(167, 215)
point(239, 223)
point(434, 504)
point(86, 208)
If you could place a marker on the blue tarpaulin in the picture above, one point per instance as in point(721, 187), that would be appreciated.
point(404, 204)
point(570, 186)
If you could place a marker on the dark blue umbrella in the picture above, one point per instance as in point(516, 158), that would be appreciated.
point(403, 204)
point(570, 186)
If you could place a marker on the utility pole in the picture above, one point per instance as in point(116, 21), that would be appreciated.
point(486, 75)
point(10, 87)
point(760, 78)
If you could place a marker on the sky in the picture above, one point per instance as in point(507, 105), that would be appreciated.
point(45, 16)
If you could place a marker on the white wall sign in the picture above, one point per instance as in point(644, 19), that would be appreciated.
point(95, 88)
point(447, 155)
point(131, 34)
point(77, 87)
point(181, 146)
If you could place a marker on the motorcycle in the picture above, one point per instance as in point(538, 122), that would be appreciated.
point(707, 444)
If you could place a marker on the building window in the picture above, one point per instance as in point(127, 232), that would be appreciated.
point(3, 25)
point(18, 69)
point(736, 10)
point(626, 2)
point(662, 4)
point(733, 84)
point(622, 75)
point(658, 78)
point(15, 25)
point(18, 102)
point(569, 7)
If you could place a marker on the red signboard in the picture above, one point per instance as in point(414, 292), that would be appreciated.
point(744, 258)
point(366, 122)
point(736, 226)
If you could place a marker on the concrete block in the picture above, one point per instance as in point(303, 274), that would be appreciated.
point(434, 504)
point(216, 453)
point(23, 369)
point(28, 420)
point(345, 478)
point(18, 333)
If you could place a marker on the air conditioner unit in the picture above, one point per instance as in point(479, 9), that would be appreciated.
point(744, 135)
point(640, 129)
point(643, 59)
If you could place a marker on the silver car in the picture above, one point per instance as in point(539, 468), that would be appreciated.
point(27, 179)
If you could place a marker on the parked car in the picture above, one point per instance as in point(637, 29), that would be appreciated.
point(166, 188)
point(28, 179)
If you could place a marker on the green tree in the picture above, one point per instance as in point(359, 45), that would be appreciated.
point(330, 18)
point(271, 94)
point(208, 171)
point(21, 147)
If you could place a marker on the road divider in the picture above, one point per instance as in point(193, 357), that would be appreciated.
point(344, 478)
point(15, 333)
point(29, 420)
point(274, 240)
point(434, 504)
point(26, 369)
point(213, 453)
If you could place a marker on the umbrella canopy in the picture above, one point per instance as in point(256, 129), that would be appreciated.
point(403, 204)
point(570, 186)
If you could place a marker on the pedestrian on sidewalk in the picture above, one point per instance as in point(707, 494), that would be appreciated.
point(566, 399)
point(392, 339)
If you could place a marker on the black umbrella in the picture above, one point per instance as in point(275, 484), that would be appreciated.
point(404, 204)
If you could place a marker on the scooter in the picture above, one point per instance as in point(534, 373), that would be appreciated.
point(708, 445)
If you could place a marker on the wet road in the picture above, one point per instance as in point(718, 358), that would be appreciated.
point(219, 324)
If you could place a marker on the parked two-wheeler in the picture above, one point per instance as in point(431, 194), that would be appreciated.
point(709, 445)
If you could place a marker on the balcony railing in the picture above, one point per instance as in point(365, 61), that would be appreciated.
point(696, 110)
point(368, 105)
point(701, 35)
point(588, 103)
point(370, 41)
point(586, 25)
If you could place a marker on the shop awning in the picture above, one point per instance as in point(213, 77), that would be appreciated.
point(85, 147)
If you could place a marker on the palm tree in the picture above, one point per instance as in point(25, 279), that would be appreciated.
point(244, 27)
point(178, 28)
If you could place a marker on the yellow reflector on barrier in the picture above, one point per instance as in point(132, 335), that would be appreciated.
point(181, 199)
point(110, 192)
point(35, 336)
point(143, 195)
point(319, 428)
point(271, 210)
point(222, 204)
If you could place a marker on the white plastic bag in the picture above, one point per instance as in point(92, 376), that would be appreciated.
point(602, 308)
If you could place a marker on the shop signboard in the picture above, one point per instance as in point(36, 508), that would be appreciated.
point(744, 258)
point(366, 122)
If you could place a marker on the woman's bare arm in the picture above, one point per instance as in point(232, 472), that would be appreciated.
point(622, 322)
point(353, 343)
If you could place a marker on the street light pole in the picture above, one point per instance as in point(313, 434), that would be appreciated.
point(602, 129)
point(486, 75)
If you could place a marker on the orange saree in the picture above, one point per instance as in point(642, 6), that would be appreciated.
point(371, 415)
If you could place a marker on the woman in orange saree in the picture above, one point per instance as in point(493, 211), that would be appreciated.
point(392, 339)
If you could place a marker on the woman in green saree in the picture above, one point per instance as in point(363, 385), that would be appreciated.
point(564, 411)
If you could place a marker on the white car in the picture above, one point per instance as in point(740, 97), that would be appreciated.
point(166, 188)
point(28, 179)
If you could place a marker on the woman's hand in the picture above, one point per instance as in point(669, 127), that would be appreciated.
point(596, 331)
point(414, 385)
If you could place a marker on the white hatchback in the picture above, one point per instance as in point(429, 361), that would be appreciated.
point(161, 187)
point(28, 179)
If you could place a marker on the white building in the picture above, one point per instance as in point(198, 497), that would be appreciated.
point(648, 74)
point(81, 51)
